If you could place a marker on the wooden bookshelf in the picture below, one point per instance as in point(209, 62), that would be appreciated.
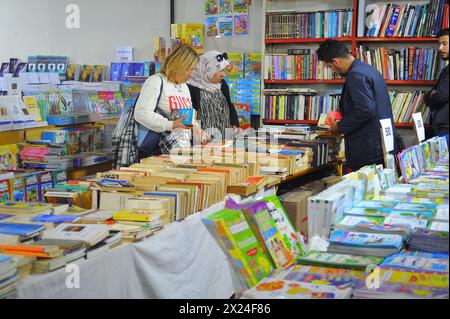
point(354, 41)
point(314, 122)
point(395, 39)
point(305, 40)
point(403, 82)
point(333, 81)
point(269, 121)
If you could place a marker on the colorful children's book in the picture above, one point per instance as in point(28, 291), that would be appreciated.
point(365, 244)
point(233, 234)
point(416, 263)
point(318, 258)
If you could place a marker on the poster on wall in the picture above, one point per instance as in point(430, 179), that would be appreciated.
point(226, 7)
point(240, 6)
point(211, 7)
point(225, 18)
point(226, 26)
point(240, 24)
point(211, 24)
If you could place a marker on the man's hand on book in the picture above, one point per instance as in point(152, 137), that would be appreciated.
point(334, 129)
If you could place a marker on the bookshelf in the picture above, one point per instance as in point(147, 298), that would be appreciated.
point(354, 40)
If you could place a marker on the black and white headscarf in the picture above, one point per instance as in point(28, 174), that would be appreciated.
point(206, 68)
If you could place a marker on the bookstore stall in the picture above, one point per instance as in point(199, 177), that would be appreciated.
point(272, 211)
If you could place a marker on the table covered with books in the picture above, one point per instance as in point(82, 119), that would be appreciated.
point(180, 261)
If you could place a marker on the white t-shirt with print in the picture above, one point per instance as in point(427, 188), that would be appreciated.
point(174, 96)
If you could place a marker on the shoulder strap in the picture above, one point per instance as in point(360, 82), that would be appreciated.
point(157, 108)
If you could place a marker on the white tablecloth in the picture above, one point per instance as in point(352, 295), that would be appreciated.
point(180, 261)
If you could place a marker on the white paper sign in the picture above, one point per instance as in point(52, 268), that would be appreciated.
point(418, 125)
point(124, 54)
point(387, 135)
point(54, 78)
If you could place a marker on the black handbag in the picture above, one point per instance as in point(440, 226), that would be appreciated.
point(151, 139)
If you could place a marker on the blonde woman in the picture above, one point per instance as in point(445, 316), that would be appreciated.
point(161, 96)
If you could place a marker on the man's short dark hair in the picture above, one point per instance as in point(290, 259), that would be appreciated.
point(331, 49)
point(442, 33)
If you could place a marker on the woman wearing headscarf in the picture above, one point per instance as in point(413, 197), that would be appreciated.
point(210, 94)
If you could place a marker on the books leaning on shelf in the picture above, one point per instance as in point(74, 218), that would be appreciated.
point(296, 104)
point(298, 64)
point(406, 19)
point(408, 64)
point(321, 24)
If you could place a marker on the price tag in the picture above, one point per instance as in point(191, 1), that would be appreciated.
point(418, 126)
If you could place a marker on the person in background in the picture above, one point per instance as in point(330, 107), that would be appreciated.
point(170, 86)
point(364, 102)
point(211, 95)
point(437, 97)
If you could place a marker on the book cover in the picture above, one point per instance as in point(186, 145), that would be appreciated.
point(212, 26)
point(365, 239)
point(20, 229)
point(241, 24)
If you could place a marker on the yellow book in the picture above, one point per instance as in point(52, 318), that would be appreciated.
point(139, 215)
point(32, 107)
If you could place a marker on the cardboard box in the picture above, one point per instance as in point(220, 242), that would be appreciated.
point(296, 205)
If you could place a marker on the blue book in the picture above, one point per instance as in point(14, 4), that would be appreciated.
point(424, 63)
point(126, 69)
point(356, 239)
point(284, 76)
point(5, 216)
point(50, 218)
point(393, 22)
point(349, 22)
point(189, 115)
point(138, 69)
point(4, 258)
point(423, 254)
point(116, 71)
point(416, 17)
point(313, 25)
point(416, 263)
point(416, 64)
point(437, 25)
point(19, 229)
point(429, 64)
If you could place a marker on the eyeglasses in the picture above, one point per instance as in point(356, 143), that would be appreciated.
point(221, 57)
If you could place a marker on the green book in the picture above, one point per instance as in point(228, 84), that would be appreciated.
point(324, 259)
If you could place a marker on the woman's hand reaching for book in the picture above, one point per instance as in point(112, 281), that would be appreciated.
point(178, 123)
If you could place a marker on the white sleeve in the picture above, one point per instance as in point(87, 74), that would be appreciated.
point(144, 112)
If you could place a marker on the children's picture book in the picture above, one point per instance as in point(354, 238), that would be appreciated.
point(226, 7)
point(236, 69)
point(346, 261)
point(366, 240)
point(86, 73)
point(253, 63)
point(416, 263)
point(240, 24)
point(232, 232)
point(212, 26)
point(90, 234)
point(226, 26)
point(97, 73)
point(243, 113)
point(211, 7)
point(240, 6)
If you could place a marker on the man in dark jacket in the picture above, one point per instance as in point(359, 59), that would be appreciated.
point(364, 102)
point(437, 98)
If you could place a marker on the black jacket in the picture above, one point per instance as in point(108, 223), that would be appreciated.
point(364, 102)
point(195, 96)
point(438, 103)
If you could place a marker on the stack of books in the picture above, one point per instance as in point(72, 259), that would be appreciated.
point(429, 240)
point(9, 276)
point(365, 244)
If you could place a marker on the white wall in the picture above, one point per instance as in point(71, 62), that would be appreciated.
point(29, 27)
